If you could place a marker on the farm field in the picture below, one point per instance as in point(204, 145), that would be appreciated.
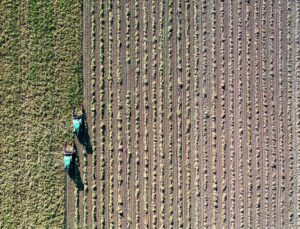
point(193, 115)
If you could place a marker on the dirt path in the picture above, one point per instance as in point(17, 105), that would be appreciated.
point(174, 115)
point(150, 117)
point(99, 121)
point(70, 202)
point(227, 114)
point(159, 119)
point(115, 111)
point(236, 115)
point(194, 129)
point(131, 87)
point(124, 88)
point(284, 195)
point(295, 112)
point(271, 113)
point(166, 123)
point(208, 109)
point(244, 116)
point(253, 112)
point(260, 220)
point(201, 102)
point(182, 92)
point(87, 206)
point(106, 117)
point(277, 121)
point(141, 133)
point(87, 98)
point(219, 115)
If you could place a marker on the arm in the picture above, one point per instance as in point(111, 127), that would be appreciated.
point(73, 112)
point(64, 148)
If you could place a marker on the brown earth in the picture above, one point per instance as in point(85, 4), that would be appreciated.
point(209, 137)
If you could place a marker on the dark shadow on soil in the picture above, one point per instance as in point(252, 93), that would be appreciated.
point(84, 137)
point(74, 174)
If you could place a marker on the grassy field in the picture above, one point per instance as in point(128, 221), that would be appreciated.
point(40, 75)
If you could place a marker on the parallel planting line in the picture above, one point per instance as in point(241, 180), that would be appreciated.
point(160, 185)
point(193, 149)
point(184, 118)
point(141, 118)
point(284, 185)
point(87, 170)
point(208, 114)
point(132, 96)
point(253, 113)
point(99, 131)
point(165, 122)
point(294, 68)
point(174, 114)
point(114, 115)
point(124, 192)
point(149, 95)
point(227, 114)
point(106, 113)
point(219, 136)
point(236, 17)
point(155, 66)
point(244, 117)
point(270, 114)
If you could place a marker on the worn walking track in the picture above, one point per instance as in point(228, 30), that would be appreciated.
point(192, 115)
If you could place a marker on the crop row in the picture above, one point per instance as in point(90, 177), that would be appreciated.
point(102, 105)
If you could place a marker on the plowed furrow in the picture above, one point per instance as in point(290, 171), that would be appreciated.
point(149, 95)
point(208, 119)
point(219, 117)
point(260, 220)
point(131, 87)
point(165, 121)
point(114, 114)
point(236, 16)
point(294, 67)
point(87, 99)
point(284, 160)
point(184, 115)
point(157, 119)
point(244, 91)
point(69, 202)
point(141, 130)
point(98, 112)
point(277, 117)
point(270, 115)
point(200, 118)
point(106, 118)
point(174, 114)
point(123, 97)
point(253, 101)
point(193, 149)
point(227, 114)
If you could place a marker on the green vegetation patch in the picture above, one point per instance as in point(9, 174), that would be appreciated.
point(40, 75)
